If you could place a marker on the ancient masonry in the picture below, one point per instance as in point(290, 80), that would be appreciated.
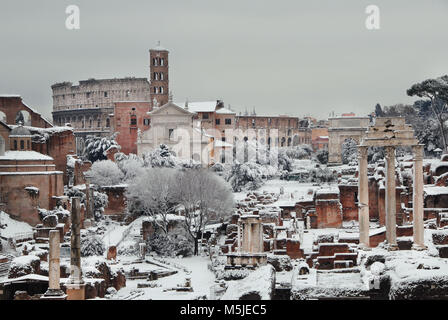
point(89, 105)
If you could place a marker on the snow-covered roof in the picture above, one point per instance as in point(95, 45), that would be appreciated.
point(432, 190)
point(25, 155)
point(225, 111)
point(6, 95)
point(19, 131)
point(328, 190)
point(203, 106)
point(50, 131)
point(32, 276)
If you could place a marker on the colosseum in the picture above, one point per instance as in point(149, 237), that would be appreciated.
point(89, 105)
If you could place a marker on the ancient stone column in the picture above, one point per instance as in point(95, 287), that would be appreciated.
point(54, 291)
point(419, 243)
point(363, 198)
point(391, 220)
point(75, 285)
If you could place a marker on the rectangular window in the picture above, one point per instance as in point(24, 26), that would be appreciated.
point(146, 122)
point(217, 121)
point(205, 116)
point(105, 94)
point(133, 121)
point(170, 134)
point(228, 121)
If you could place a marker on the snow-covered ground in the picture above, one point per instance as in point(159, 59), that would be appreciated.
point(13, 227)
point(201, 281)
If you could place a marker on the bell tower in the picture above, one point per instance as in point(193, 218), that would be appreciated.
point(158, 75)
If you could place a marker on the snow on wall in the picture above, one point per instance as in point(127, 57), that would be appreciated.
point(260, 281)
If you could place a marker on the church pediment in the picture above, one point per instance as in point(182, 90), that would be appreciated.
point(171, 109)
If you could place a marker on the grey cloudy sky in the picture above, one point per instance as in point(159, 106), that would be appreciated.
point(285, 56)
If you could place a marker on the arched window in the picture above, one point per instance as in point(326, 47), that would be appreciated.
point(107, 123)
point(22, 144)
point(15, 144)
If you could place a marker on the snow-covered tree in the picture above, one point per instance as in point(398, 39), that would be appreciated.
point(284, 161)
point(154, 193)
point(100, 202)
point(96, 147)
point(160, 157)
point(105, 173)
point(436, 91)
point(322, 156)
point(349, 152)
point(131, 165)
point(204, 197)
point(172, 245)
point(299, 152)
point(247, 175)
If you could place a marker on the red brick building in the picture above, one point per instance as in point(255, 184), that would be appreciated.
point(129, 118)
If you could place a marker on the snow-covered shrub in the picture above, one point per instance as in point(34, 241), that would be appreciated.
point(217, 167)
point(322, 156)
point(349, 152)
point(280, 262)
point(374, 154)
point(284, 161)
point(131, 166)
point(105, 173)
point(299, 152)
point(96, 147)
point(170, 245)
point(320, 175)
point(24, 265)
point(92, 245)
point(245, 175)
point(160, 157)
point(100, 202)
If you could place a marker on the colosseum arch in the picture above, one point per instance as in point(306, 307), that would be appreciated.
point(341, 129)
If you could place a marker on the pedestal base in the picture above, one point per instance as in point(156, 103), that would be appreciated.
point(363, 247)
point(418, 247)
point(54, 294)
point(392, 247)
point(76, 291)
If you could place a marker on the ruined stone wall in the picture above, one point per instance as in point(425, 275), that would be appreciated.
point(329, 213)
point(349, 200)
point(22, 204)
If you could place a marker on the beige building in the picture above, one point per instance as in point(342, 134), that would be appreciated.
point(176, 127)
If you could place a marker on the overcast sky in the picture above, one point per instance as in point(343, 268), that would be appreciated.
point(285, 56)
